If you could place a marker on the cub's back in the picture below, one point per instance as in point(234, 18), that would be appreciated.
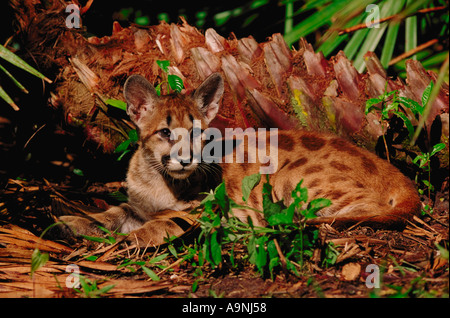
point(361, 186)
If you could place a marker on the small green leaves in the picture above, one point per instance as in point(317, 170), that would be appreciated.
point(89, 288)
point(17, 61)
point(426, 94)
point(424, 158)
point(174, 82)
point(222, 199)
point(248, 184)
point(286, 239)
point(78, 172)
point(124, 147)
point(257, 252)
point(314, 206)
point(158, 258)
point(437, 148)
point(274, 212)
point(38, 260)
point(390, 104)
point(150, 273)
point(119, 196)
point(143, 20)
point(164, 65)
point(116, 103)
point(109, 239)
point(213, 250)
point(133, 266)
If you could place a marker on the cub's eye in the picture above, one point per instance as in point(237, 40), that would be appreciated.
point(165, 133)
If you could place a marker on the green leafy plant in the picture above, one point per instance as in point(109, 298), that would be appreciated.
point(127, 145)
point(117, 103)
point(109, 239)
point(423, 162)
point(131, 265)
point(284, 243)
point(89, 288)
point(361, 26)
point(173, 82)
point(39, 259)
point(390, 104)
point(16, 61)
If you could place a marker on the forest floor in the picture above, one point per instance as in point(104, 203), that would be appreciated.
point(410, 263)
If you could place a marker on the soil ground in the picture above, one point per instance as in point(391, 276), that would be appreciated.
point(409, 261)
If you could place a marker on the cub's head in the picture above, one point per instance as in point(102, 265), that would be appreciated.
point(168, 125)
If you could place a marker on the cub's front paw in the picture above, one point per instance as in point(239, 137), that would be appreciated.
point(154, 233)
point(73, 227)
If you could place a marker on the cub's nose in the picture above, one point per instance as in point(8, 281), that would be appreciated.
point(185, 163)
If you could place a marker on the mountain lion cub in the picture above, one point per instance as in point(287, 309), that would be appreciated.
point(361, 186)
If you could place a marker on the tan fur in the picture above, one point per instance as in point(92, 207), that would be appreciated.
point(361, 186)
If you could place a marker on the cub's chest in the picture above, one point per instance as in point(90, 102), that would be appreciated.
point(149, 192)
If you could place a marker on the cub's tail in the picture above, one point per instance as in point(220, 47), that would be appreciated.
point(395, 213)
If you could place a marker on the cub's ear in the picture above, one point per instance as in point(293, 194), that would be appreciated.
point(141, 97)
point(207, 96)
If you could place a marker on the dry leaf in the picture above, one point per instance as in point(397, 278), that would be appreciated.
point(351, 271)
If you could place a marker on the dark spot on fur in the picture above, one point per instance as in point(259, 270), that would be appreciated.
point(287, 190)
point(312, 142)
point(334, 195)
point(314, 183)
point(313, 169)
point(286, 143)
point(316, 194)
point(369, 165)
point(336, 178)
point(342, 204)
point(345, 146)
point(359, 185)
point(246, 156)
point(168, 120)
point(284, 164)
point(339, 166)
point(253, 198)
point(245, 166)
point(297, 163)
